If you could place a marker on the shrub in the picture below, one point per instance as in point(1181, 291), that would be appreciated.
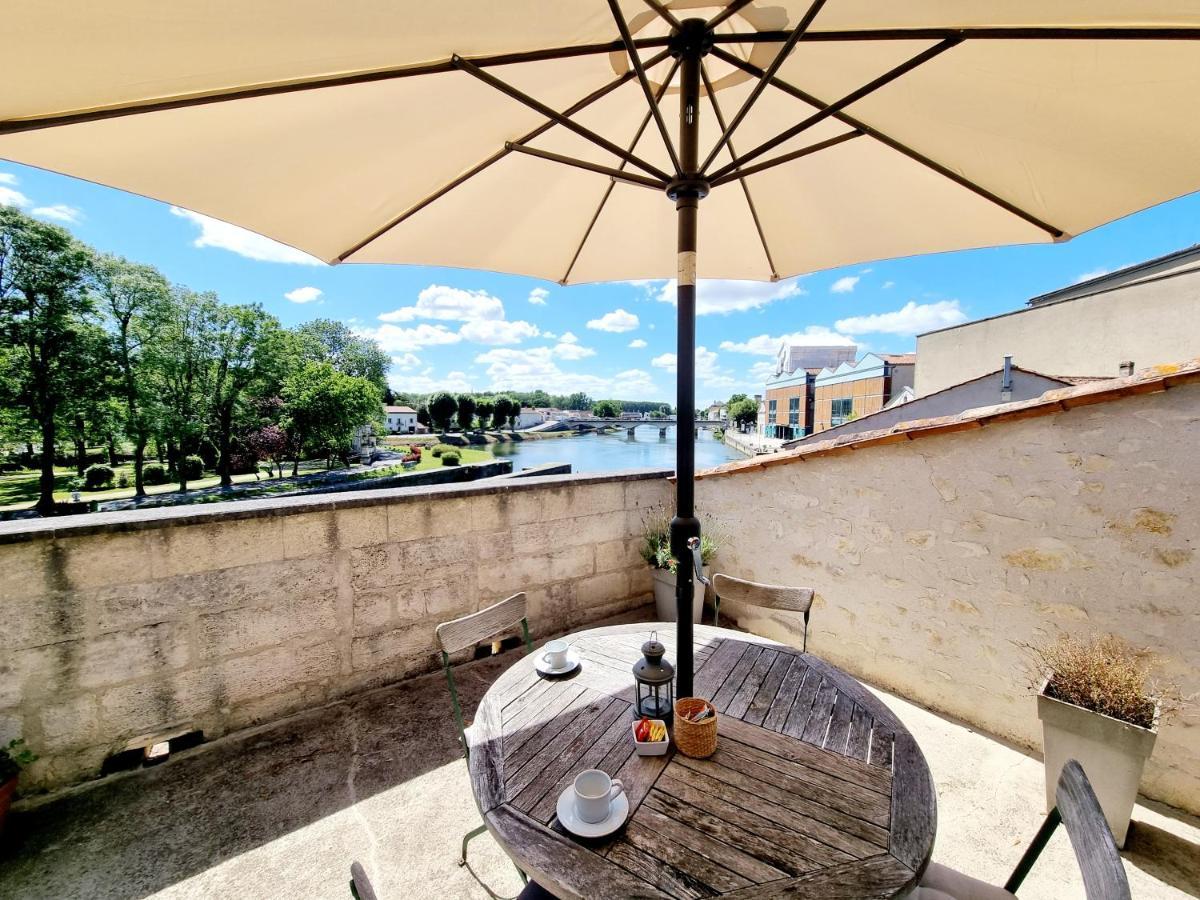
point(154, 473)
point(451, 458)
point(14, 758)
point(1103, 674)
point(192, 467)
point(97, 477)
point(123, 480)
point(440, 449)
point(656, 540)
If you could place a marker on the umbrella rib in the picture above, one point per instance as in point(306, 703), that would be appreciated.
point(663, 13)
point(162, 104)
point(563, 120)
point(637, 136)
point(727, 131)
point(614, 174)
point(762, 237)
point(836, 107)
point(730, 10)
point(894, 144)
point(739, 174)
point(636, 61)
point(1000, 33)
point(579, 105)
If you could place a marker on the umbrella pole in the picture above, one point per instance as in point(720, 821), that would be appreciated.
point(689, 45)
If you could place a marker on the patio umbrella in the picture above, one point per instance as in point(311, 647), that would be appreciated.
point(577, 140)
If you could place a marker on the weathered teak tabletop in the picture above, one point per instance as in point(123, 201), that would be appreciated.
point(816, 789)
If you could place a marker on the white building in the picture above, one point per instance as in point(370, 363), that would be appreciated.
point(401, 419)
point(527, 418)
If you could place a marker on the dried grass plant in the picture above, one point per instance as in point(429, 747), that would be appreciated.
point(1103, 673)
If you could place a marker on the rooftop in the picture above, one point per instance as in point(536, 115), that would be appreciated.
point(282, 811)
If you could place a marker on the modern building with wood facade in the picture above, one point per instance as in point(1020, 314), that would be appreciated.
point(852, 390)
point(787, 404)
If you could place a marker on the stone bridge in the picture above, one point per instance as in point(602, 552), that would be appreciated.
point(631, 424)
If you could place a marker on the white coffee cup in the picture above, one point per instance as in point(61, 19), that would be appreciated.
point(555, 654)
point(594, 794)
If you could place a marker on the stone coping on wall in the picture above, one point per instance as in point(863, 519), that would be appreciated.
point(1147, 381)
point(21, 530)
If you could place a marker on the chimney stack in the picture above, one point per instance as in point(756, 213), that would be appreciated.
point(1006, 383)
point(1126, 368)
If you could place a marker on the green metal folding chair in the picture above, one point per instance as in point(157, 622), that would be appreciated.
point(496, 621)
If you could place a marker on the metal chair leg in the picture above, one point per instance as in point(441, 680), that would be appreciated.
point(466, 838)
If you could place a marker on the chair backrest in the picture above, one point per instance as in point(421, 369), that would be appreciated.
point(1099, 862)
point(477, 627)
point(360, 885)
point(1077, 808)
point(770, 596)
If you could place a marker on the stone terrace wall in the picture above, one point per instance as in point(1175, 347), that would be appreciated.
point(123, 624)
point(931, 558)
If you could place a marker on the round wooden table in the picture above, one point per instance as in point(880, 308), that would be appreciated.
point(816, 788)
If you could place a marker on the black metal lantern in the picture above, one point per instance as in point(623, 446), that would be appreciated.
point(653, 680)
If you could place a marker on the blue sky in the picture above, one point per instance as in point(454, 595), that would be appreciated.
point(464, 330)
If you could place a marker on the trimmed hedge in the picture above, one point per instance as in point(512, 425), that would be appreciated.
point(192, 467)
point(451, 458)
point(153, 473)
point(97, 477)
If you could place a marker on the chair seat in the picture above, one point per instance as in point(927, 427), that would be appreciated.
point(943, 883)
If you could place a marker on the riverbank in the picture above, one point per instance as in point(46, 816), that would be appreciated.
point(752, 444)
point(473, 438)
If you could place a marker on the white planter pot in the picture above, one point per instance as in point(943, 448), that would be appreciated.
point(1112, 753)
point(664, 595)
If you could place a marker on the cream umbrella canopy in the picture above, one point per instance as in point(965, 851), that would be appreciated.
point(539, 138)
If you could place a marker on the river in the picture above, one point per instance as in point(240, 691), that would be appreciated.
point(614, 452)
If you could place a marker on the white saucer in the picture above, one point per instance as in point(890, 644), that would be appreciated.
point(545, 668)
point(617, 813)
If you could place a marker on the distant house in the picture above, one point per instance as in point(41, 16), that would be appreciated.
point(527, 418)
point(717, 412)
point(401, 419)
point(1008, 384)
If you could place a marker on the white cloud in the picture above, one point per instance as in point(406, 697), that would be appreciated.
point(767, 345)
point(637, 344)
point(550, 335)
point(439, 301)
point(1096, 273)
point(215, 233)
point(720, 296)
point(616, 321)
point(305, 294)
point(496, 332)
point(761, 371)
point(395, 339)
point(569, 338)
point(538, 296)
point(708, 373)
point(13, 197)
point(536, 367)
point(888, 285)
point(406, 361)
point(426, 383)
point(910, 319)
point(844, 285)
point(7, 178)
point(59, 212)
point(567, 350)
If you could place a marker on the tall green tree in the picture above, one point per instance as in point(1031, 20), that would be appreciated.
point(336, 343)
point(578, 400)
point(135, 300)
point(484, 407)
point(606, 409)
point(45, 309)
point(324, 407)
point(466, 412)
point(442, 407)
point(245, 353)
point(502, 409)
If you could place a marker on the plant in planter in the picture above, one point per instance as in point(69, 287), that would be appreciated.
point(656, 550)
point(1098, 704)
point(13, 759)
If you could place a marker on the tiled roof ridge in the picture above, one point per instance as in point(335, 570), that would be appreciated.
point(1147, 381)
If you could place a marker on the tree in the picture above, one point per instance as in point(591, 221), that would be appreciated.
point(243, 351)
point(578, 400)
point(504, 409)
point(665, 410)
point(743, 412)
point(466, 412)
point(44, 310)
point(442, 407)
point(270, 442)
point(484, 408)
point(324, 407)
point(135, 300)
point(423, 416)
point(325, 340)
point(606, 409)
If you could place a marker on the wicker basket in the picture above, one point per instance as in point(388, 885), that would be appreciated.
point(696, 739)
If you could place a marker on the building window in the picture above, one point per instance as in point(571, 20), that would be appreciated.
point(841, 411)
point(771, 411)
point(793, 410)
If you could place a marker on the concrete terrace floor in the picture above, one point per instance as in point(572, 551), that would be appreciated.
point(280, 812)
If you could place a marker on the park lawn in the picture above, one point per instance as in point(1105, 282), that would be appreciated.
point(428, 461)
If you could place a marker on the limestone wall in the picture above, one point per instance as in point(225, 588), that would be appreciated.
point(933, 558)
point(119, 625)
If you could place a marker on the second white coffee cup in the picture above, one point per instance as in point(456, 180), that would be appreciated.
point(554, 654)
point(594, 794)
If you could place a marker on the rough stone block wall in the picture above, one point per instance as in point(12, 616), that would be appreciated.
point(933, 559)
point(125, 624)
